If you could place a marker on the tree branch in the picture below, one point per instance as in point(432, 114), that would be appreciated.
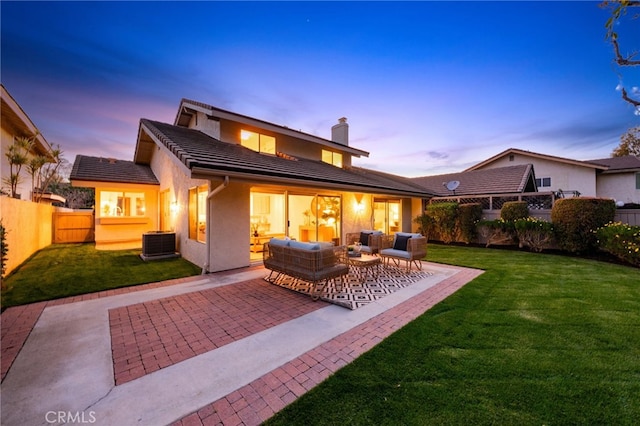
point(626, 97)
point(621, 60)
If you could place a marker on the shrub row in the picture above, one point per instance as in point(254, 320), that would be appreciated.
point(620, 240)
point(449, 222)
point(578, 225)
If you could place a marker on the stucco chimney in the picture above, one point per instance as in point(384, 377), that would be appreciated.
point(340, 132)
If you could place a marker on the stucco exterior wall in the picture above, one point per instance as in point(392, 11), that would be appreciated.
point(356, 216)
point(206, 125)
point(563, 176)
point(619, 186)
point(174, 177)
point(230, 132)
point(125, 233)
point(230, 227)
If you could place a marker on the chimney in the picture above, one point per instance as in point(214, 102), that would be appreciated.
point(340, 132)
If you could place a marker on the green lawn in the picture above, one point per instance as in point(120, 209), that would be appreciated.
point(63, 270)
point(537, 339)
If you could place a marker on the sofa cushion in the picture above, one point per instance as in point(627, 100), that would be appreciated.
point(325, 244)
point(411, 234)
point(278, 242)
point(304, 246)
point(400, 242)
point(402, 254)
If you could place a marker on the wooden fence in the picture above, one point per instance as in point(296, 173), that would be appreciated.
point(28, 227)
point(73, 227)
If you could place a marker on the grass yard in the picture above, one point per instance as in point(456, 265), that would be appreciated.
point(62, 270)
point(537, 339)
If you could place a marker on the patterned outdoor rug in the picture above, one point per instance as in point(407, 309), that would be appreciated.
point(354, 292)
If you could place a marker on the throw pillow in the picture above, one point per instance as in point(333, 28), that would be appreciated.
point(364, 238)
point(401, 242)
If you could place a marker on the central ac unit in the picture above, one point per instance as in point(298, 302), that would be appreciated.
point(158, 245)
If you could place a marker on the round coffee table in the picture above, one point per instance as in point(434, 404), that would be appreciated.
point(364, 264)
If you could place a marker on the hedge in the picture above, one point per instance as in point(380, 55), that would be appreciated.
point(576, 219)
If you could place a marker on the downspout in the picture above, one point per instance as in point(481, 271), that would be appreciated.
point(214, 191)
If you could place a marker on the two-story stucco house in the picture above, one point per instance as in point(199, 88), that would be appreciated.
point(616, 178)
point(225, 183)
point(15, 124)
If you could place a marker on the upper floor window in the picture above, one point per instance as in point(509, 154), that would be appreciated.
point(120, 203)
point(543, 182)
point(637, 180)
point(258, 142)
point(331, 157)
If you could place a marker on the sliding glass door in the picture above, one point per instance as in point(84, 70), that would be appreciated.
point(300, 216)
point(387, 216)
point(314, 217)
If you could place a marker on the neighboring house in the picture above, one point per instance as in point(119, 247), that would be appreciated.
point(616, 178)
point(16, 123)
point(621, 179)
point(227, 183)
point(552, 173)
point(501, 180)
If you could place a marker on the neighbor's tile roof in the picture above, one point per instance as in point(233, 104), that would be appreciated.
point(204, 155)
point(101, 169)
point(626, 163)
point(490, 181)
point(516, 151)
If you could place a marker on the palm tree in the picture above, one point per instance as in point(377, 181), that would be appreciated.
point(17, 154)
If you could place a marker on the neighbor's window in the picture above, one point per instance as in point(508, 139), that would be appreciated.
point(331, 157)
point(637, 180)
point(543, 182)
point(120, 203)
point(258, 142)
point(198, 213)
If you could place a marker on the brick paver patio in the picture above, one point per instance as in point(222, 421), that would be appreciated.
point(261, 399)
point(152, 335)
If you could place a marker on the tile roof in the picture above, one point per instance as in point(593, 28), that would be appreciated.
point(111, 170)
point(490, 181)
point(184, 116)
point(619, 164)
point(206, 156)
point(525, 153)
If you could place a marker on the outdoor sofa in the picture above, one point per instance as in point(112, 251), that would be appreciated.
point(316, 263)
point(403, 246)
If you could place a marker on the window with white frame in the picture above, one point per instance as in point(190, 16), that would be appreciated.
point(543, 182)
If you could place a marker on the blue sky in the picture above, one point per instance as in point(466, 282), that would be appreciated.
point(427, 87)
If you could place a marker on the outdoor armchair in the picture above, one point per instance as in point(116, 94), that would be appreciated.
point(402, 246)
point(369, 239)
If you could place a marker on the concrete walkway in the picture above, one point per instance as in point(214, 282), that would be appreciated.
point(64, 370)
